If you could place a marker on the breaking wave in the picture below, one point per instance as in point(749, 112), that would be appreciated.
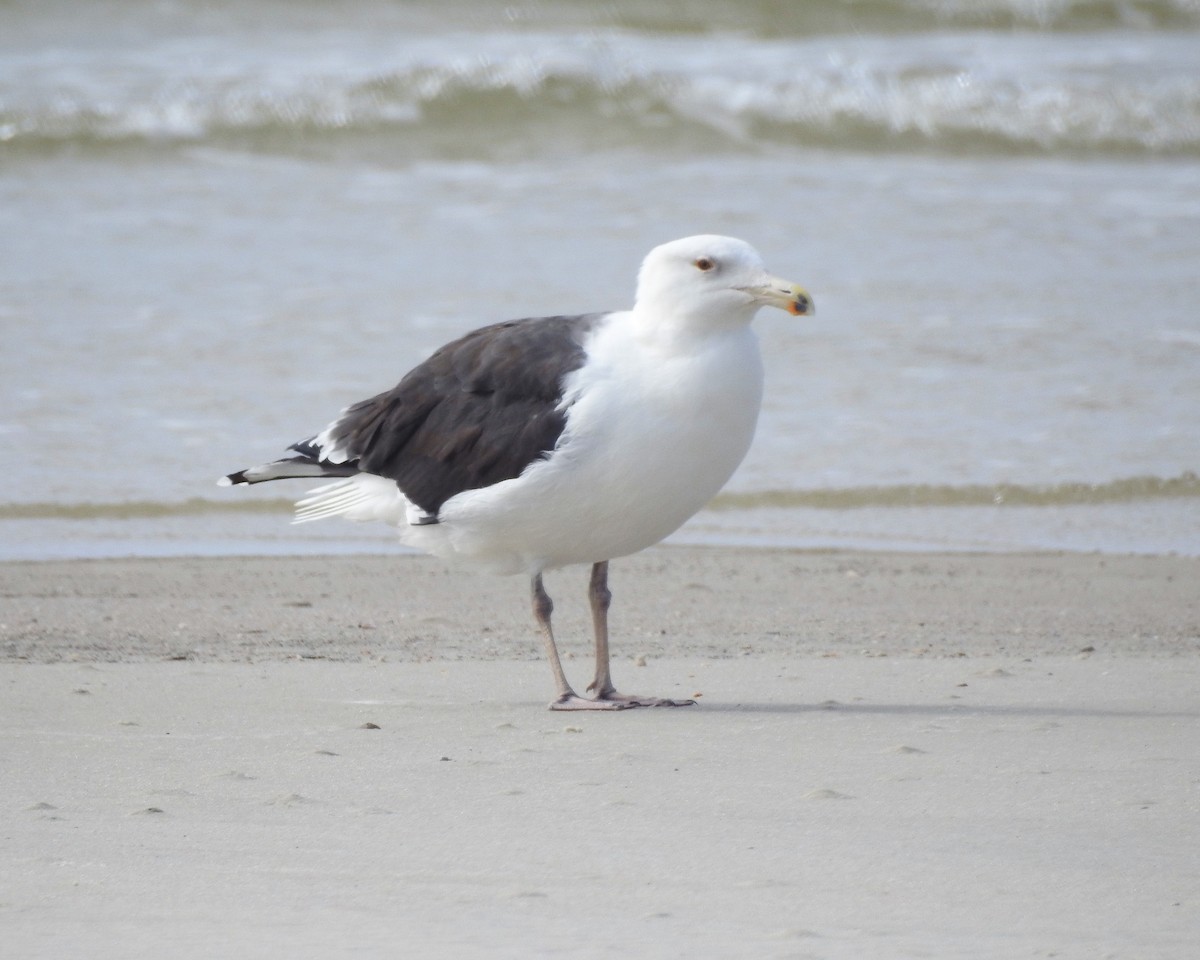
point(518, 94)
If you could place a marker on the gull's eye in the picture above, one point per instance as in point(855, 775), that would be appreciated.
point(704, 263)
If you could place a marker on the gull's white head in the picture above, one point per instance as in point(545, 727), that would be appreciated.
point(713, 282)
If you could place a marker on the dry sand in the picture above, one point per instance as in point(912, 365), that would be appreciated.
point(893, 756)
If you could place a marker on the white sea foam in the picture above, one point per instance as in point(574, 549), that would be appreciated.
point(981, 92)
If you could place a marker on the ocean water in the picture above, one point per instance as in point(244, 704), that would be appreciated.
point(221, 222)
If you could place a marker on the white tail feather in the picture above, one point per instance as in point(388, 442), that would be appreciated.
point(361, 497)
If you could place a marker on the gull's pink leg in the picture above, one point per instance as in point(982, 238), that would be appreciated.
point(565, 698)
point(602, 685)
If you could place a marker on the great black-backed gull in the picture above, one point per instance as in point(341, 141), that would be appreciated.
point(539, 443)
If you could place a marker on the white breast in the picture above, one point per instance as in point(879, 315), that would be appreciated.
point(652, 435)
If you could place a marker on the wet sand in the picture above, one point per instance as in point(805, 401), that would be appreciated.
point(892, 756)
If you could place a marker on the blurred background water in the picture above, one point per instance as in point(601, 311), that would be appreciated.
point(221, 222)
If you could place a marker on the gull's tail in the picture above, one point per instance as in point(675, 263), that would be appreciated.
point(353, 494)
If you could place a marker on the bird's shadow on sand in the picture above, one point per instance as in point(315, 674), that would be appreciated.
point(943, 710)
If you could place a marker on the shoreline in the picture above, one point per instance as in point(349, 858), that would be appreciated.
point(1147, 527)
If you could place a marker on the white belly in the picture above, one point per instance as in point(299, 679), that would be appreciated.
point(649, 441)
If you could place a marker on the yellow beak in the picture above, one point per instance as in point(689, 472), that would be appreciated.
point(774, 292)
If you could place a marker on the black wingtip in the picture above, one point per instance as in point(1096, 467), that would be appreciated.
point(233, 479)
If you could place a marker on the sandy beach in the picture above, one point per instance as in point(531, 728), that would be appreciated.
point(892, 756)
